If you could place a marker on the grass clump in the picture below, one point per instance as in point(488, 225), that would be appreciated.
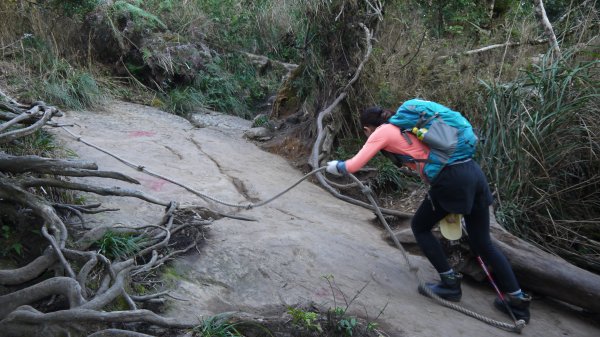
point(216, 326)
point(73, 89)
point(181, 101)
point(119, 245)
point(40, 143)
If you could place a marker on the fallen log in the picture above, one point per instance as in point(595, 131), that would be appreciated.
point(547, 274)
point(537, 271)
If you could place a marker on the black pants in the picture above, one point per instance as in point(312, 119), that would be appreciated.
point(462, 189)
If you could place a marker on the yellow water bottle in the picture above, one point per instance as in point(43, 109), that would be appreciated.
point(420, 133)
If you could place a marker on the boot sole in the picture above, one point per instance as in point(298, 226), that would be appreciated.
point(447, 298)
point(520, 314)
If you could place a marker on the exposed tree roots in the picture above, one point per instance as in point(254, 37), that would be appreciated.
point(72, 285)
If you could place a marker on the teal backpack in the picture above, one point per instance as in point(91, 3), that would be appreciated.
point(448, 134)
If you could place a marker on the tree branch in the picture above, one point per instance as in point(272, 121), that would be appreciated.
point(540, 12)
point(493, 46)
point(29, 271)
point(118, 333)
point(21, 164)
point(65, 286)
point(112, 191)
point(12, 135)
point(86, 315)
point(314, 159)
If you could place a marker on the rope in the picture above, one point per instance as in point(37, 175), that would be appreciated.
point(516, 327)
point(198, 193)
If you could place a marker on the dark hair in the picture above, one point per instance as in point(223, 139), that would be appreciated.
point(375, 116)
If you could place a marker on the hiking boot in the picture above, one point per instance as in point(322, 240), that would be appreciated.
point(518, 304)
point(448, 288)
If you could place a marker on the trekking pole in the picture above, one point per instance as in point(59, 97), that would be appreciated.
point(502, 298)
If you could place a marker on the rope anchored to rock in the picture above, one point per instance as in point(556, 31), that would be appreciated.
point(517, 326)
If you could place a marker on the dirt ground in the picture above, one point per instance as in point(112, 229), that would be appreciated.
point(279, 260)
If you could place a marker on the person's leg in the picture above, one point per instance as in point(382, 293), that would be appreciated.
point(478, 228)
point(425, 218)
point(422, 222)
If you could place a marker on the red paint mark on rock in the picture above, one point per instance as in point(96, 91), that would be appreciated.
point(157, 185)
point(153, 184)
point(141, 133)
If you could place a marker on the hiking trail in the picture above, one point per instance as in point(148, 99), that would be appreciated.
point(265, 266)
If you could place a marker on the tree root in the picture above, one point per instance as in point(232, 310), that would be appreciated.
point(86, 282)
point(320, 151)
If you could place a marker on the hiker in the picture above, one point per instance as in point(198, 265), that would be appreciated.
point(458, 188)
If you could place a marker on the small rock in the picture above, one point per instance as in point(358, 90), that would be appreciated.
point(258, 133)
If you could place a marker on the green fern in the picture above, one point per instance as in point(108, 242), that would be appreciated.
point(140, 16)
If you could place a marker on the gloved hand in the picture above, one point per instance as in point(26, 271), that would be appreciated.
point(336, 167)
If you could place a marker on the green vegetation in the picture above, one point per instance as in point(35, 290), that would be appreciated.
point(40, 143)
point(334, 321)
point(59, 82)
point(139, 16)
point(217, 326)
point(229, 83)
point(74, 8)
point(338, 318)
point(261, 121)
point(10, 242)
point(343, 323)
point(541, 153)
point(119, 245)
point(305, 319)
point(270, 26)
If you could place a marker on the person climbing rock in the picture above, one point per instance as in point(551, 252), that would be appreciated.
point(459, 187)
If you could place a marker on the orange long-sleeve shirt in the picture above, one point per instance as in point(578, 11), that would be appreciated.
point(388, 137)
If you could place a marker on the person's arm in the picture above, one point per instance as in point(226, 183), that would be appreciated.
point(376, 142)
point(373, 145)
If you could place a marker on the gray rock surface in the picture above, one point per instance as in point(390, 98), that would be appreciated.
point(279, 260)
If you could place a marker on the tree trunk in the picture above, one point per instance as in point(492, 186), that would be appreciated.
point(548, 274)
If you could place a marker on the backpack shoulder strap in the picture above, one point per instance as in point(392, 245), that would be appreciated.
point(424, 121)
point(403, 133)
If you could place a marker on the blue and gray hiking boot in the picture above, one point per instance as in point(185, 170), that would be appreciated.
point(518, 304)
point(448, 288)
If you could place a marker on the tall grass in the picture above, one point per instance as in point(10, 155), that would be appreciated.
point(59, 83)
point(542, 154)
point(39, 72)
